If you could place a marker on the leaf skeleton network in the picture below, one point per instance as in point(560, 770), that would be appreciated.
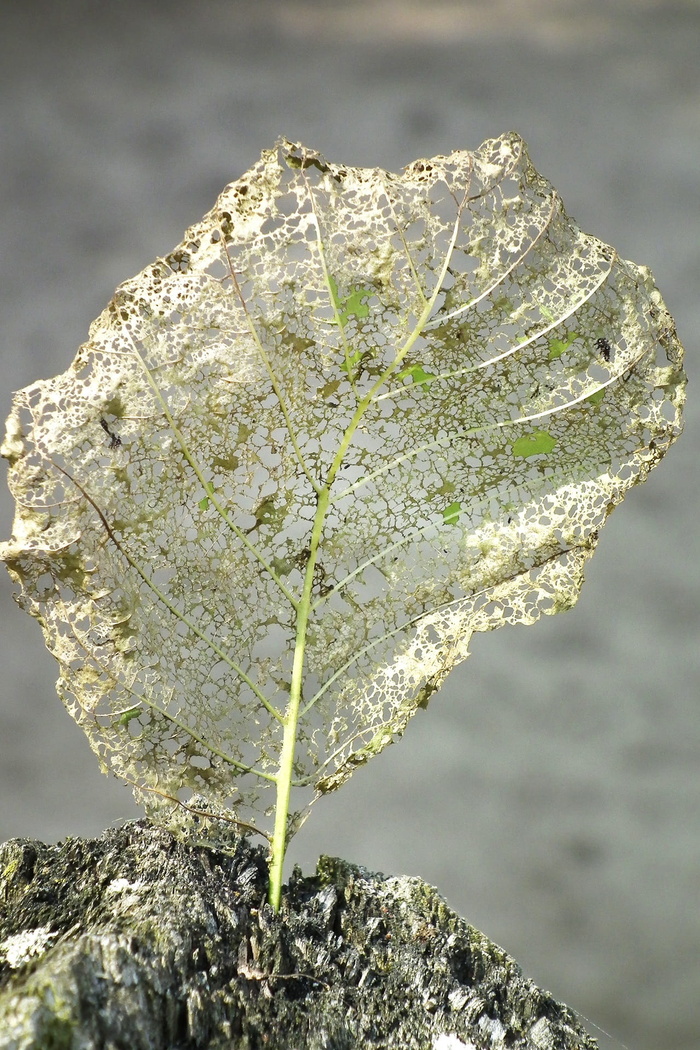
point(352, 419)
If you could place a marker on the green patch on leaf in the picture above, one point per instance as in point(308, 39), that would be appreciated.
point(534, 444)
point(204, 502)
point(558, 346)
point(595, 399)
point(450, 515)
point(417, 375)
point(351, 362)
point(125, 718)
point(351, 304)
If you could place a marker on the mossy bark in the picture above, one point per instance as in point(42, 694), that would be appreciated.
point(138, 941)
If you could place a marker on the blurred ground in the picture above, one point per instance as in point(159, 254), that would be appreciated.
point(552, 792)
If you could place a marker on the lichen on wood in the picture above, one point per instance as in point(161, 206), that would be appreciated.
point(151, 943)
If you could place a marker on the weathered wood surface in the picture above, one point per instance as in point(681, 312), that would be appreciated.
point(137, 941)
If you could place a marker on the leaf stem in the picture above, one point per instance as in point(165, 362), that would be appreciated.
point(305, 604)
point(291, 719)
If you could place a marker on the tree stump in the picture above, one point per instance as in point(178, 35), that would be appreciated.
point(139, 941)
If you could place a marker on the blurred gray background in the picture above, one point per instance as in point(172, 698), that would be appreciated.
point(552, 791)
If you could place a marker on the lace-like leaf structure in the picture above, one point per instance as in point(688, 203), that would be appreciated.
point(363, 413)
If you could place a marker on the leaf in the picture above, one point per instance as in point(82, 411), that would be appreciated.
point(351, 362)
point(417, 375)
point(450, 515)
point(351, 304)
point(594, 399)
point(558, 346)
point(366, 375)
point(537, 443)
point(127, 717)
point(204, 502)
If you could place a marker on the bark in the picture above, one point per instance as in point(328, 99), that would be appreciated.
point(139, 941)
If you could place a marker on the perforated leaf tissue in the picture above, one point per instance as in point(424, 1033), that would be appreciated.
point(352, 419)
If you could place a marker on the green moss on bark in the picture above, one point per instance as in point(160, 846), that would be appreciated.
point(138, 941)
